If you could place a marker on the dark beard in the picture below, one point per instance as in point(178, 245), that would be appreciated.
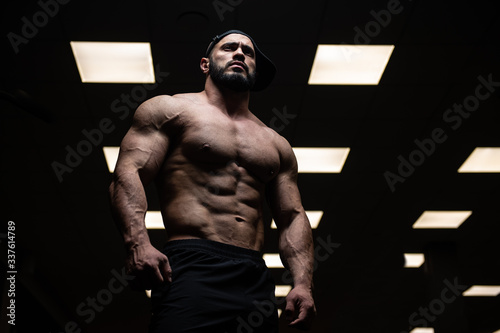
point(233, 81)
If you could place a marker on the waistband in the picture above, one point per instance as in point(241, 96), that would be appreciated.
point(216, 248)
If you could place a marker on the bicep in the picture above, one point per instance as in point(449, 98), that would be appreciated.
point(143, 149)
point(143, 153)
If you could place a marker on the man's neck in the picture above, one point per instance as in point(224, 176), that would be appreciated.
point(232, 102)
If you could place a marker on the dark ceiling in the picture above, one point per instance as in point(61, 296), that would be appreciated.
point(68, 249)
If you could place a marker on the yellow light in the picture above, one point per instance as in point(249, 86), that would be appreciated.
point(422, 330)
point(154, 220)
point(321, 160)
point(414, 260)
point(282, 290)
point(273, 260)
point(111, 156)
point(485, 291)
point(114, 62)
point(482, 160)
point(441, 219)
point(349, 64)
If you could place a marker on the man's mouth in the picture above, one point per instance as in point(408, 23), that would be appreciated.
point(238, 64)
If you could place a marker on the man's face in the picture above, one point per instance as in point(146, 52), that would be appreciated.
point(232, 63)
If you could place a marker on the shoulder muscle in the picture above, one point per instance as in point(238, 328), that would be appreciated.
point(157, 112)
point(288, 162)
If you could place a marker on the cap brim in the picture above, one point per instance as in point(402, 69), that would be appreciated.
point(266, 71)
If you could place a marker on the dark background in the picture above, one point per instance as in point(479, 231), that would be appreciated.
point(67, 246)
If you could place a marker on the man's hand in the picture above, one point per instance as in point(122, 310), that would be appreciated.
point(300, 310)
point(149, 266)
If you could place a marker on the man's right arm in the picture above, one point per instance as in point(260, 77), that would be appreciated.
point(142, 153)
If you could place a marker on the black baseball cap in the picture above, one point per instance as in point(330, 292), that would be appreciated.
point(264, 66)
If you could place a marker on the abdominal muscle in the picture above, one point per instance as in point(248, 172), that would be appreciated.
point(222, 204)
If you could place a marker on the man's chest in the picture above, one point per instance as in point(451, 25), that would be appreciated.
point(220, 140)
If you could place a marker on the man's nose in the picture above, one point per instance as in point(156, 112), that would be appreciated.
point(239, 53)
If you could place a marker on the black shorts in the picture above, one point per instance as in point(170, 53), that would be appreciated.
point(215, 288)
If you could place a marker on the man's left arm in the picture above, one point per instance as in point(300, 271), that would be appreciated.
point(295, 240)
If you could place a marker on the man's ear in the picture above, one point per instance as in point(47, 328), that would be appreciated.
point(204, 65)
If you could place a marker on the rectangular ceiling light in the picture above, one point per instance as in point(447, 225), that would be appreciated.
point(282, 290)
point(349, 64)
point(114, 62)
point(321, 160)
point(273, 260)
point(422, 330)
point(314, 217)
point(154, 220)
point(482, 291)
point(111, 155)
point(482, 160)
point(441, 219)
point(414, 260)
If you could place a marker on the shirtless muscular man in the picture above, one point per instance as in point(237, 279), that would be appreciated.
point(213, 163)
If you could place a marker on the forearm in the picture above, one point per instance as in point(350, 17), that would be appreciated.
point(129, 205)
point(296, 250)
